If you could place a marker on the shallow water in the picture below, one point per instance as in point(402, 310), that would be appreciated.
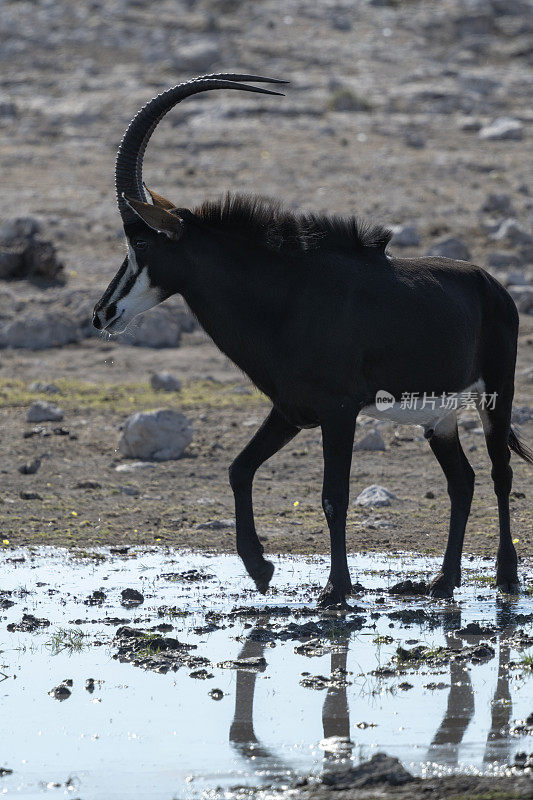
point(144, 734)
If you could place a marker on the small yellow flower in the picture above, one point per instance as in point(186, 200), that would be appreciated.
point(515, 541)
point(74, 513)
point(296, 503)
point(135, 530)
point(5, 541)
point(158, 540)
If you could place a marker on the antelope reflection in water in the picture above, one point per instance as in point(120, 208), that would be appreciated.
point(445, 745)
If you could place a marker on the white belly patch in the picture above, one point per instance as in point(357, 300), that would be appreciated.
point(426, 410)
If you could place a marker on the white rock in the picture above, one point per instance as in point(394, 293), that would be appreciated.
point(39, 332)
point(502, 128)
point(41, 386)
point(450, 248)
point(159, 327)
point(523, 297)
point(137, 465)
point(375, 496)
point(165, 382)
point(159, 435)
point(405, 236)
point(44, 412)
point(372, 441)
point(513, 232)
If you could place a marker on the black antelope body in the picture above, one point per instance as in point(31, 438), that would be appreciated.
point(322, 319)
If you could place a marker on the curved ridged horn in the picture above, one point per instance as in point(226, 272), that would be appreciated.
point(128, 168)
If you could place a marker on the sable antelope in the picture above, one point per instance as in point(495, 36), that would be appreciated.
point(324, 322)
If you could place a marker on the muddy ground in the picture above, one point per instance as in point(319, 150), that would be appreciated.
point(419, 78)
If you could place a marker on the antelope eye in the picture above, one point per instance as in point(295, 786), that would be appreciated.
point(140, 244)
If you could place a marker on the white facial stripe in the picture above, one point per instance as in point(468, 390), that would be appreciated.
point(141, 296)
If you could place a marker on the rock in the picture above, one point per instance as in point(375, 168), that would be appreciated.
point(523, 297)
point(164, 381)
point(450, 248)
point(25, 254)
point(343, 99)
point(380, 769)
point(41, 386)
point(216, 525)
point(372, 441)
point(198, 57)
point(216, 694)
point(503, 128)
point(61, 692)
point(405, 236)
point(513, 232)
point(131, 597)
point(375, 495)
point(500, 260)
point(39, 332)
point(137, 465)
point(415, 140)
point(19, 228)
point(29, 495)
point(521, 414)
point(159, 435)
point(498, 204)
point(44, 412)
point(160, 327)
point(30, 467)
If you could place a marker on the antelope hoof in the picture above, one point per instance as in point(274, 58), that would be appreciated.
point(441, 588)
point(330, 597)
point(262, 576)
point(508, 587)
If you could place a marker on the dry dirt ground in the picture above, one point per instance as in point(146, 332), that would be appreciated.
point(424, 76)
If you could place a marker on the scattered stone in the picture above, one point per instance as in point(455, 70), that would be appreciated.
point(160, 435)
point(409, 587)
point(343, 99)
point(89, 685)
point(496, 203)
point(131, 597)
point(30, 467)
point(216, 694)
point(521, 415)
point(502, 260)
point(373, 441)
point(5, 771)
point(450, 248)
point(62, 691)
point(414, 139)
point(405, 236)
point(336, 680)
point(405, 686)
point(503, 128)
point(513, 232)
point(131, 491)
point(198, 57)
point(28, 624)
point(376, 496)
point(24, 254)
point(216, 525)
point(164, 381)
point(40, 411)
point(189, 576)
point(88, 485)
point(137, 465)
point(42, 386)
point(380, 769)
point(29, 495)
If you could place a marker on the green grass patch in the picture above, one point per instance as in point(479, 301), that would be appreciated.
point(70, 639)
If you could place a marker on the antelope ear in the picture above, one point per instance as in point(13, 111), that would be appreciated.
point(159, 219)
point(159, 200)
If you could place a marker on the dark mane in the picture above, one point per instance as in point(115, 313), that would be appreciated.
point(270, 224)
